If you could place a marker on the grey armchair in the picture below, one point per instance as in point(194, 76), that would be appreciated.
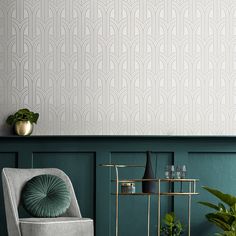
point(70, 224)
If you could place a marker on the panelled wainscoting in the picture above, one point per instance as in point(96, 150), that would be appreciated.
point(211, 159)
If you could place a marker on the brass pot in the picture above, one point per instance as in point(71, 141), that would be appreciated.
point(23, 128)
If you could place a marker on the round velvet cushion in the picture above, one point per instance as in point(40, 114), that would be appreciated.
point(45, 196)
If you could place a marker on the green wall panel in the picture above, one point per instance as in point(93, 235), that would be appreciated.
point(80, 168)
point(6, 160)
point(216, 170)
point(211, 159)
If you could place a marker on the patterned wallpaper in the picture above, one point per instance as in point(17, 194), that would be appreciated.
point(120, 66)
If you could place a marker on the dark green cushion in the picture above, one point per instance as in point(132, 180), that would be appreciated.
point(45, 196)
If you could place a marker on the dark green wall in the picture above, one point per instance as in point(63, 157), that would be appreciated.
point(211, 159)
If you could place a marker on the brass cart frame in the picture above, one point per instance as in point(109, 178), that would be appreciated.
point(191, 191)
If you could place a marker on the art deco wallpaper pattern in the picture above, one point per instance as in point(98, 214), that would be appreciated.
point(120, 66)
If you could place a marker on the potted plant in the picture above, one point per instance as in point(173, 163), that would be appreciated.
point(224, 216)
point(171, 227)
point(23, 121)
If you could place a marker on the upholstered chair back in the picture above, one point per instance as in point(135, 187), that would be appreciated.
point(13, 181)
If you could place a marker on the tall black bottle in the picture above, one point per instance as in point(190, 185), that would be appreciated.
point(148, 186)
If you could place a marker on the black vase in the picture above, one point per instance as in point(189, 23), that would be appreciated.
point(148, 186)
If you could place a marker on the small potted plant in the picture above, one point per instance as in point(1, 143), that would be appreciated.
point(171, 227)
point(23, 121)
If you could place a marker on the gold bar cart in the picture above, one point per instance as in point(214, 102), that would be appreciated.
point(191, 191)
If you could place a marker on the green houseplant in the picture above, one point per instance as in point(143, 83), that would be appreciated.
point(23, 121)
point(224, 216)
point(171, 227)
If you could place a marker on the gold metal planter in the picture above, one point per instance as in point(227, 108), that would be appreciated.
point(23, 128)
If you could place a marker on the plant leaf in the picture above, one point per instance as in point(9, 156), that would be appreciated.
point(222, 207)
point(35, 118)
point(24, 110)
point(223, 221)
point(169, 218)
point(219, 223)
point(229, 233)
point(208, 204)
point(10, 120)
point(226, 198)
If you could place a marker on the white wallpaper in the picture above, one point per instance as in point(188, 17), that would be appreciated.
point(120, 66)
